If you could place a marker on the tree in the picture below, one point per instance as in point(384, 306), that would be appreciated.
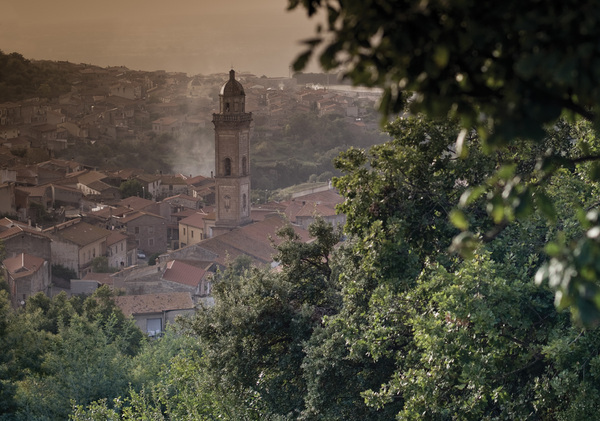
point(507, 68)
point(391, 349)
point(81, 365)
point(63, 272)
point(508, 71)
point(254, 335)
point(131, 188)
point(58, 349)
point(100, 265)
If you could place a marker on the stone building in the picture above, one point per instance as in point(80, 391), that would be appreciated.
point(232, 157)
point(26, 276)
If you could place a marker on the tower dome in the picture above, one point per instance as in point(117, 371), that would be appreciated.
point(232, 87)
point(232, 98)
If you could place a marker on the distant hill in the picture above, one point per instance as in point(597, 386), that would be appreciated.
point(23, 79)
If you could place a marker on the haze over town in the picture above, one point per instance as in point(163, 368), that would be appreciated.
point(191, 36)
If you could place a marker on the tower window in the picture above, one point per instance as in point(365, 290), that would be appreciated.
point(244, 166)
point(227, 106)
point(227, 166)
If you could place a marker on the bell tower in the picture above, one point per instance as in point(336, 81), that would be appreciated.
point(232, 157)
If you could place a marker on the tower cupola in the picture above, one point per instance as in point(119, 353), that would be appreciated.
point(232, 98)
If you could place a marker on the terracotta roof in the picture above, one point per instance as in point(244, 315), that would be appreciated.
point(154, 303)
point(90, 177)
point(109, 211)
point(321, 209)
point(320, 203)
point(62, 187)
point(182, 196)
point(253, 240)
point(195, 220)
point(10, 232)
point(137, 214)
point(99, 186)
point(9, 223)
point(80, 233)
point(195, 180)
point(184, 213)
point(136, 203)
point(182, 273)
point(23, 265)
point(115, 237)
point(103, 278)
point(147, 178)
point(33, 191)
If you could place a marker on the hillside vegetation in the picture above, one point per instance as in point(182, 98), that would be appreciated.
point(23, 79)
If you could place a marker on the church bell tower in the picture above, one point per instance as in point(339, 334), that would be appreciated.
point(232, 157)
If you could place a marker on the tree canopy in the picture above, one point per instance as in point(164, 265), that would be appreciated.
point(509, 68)
point(509, 72)
point(21, 79)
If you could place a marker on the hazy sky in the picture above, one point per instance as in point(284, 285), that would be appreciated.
point(192, 36)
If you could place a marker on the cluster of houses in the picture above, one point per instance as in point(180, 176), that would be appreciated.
point(116, 103)
point(89, 222)
point(60, 215)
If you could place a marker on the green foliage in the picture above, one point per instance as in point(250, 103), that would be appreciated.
point(131, 188)
point(151, 154)
point(100, 265)
point(316, 142)
point(399, 194)
point(153, 259)
point(62, 350)
point(253, 337)
point(423, 334)
point(81, 365)
point(63, 272)
point(508, 69)
point(22, 79)
point(475, 351)
point(39, 214)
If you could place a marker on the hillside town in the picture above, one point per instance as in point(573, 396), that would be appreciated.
point(60, 215)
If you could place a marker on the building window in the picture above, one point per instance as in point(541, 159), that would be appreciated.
point(227, 166)
point(151, 241)
point(184, 231)
point(150, 230)
point(136, 230)
point(153, 327)
point(192, 233)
